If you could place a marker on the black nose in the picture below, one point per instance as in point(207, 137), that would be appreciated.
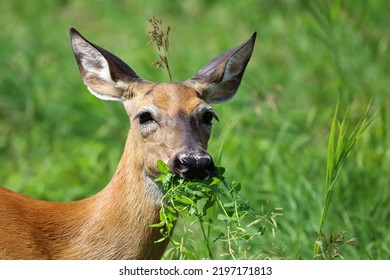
point(193, 165)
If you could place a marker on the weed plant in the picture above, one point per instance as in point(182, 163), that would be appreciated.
point(217, 207)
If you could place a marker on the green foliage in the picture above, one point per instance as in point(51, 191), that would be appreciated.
point(197, 200)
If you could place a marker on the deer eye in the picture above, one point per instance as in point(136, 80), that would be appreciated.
point(145, 117)
point(208, 116)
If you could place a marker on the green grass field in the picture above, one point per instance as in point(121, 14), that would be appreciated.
point(60, 143)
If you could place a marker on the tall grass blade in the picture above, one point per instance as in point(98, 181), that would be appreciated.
point(339, 148)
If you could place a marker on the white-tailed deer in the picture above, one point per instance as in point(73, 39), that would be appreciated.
point(168, 121)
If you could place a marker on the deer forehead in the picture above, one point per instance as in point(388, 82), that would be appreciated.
point(171, 99)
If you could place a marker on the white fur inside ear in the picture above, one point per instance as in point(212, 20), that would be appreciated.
point(230, 70)
point(91, 59)
point(95, 65)
point(234, 65)
point(103, 96)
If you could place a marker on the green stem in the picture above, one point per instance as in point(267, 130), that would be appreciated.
point(167, 64)
point(205, 238)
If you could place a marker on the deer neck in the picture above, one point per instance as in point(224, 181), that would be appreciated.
point(117, 224)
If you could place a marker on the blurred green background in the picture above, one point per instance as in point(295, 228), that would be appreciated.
point(58, 142)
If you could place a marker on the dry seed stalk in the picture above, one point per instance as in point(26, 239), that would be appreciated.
point(161, 39)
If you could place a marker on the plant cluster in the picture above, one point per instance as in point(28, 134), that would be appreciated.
point(215, 205)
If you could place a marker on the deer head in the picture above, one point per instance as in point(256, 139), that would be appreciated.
point(169, 121)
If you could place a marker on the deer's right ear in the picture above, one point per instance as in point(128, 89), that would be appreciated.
point(105, 75)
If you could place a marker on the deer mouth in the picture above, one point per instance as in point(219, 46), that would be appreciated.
point(192, 165)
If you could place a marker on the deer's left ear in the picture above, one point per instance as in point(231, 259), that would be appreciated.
point(219, 80)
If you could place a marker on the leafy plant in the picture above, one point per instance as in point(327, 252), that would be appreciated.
point(215, 205)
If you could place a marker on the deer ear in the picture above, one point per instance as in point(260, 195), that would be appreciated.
point(219, 80)
point(105, 75)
